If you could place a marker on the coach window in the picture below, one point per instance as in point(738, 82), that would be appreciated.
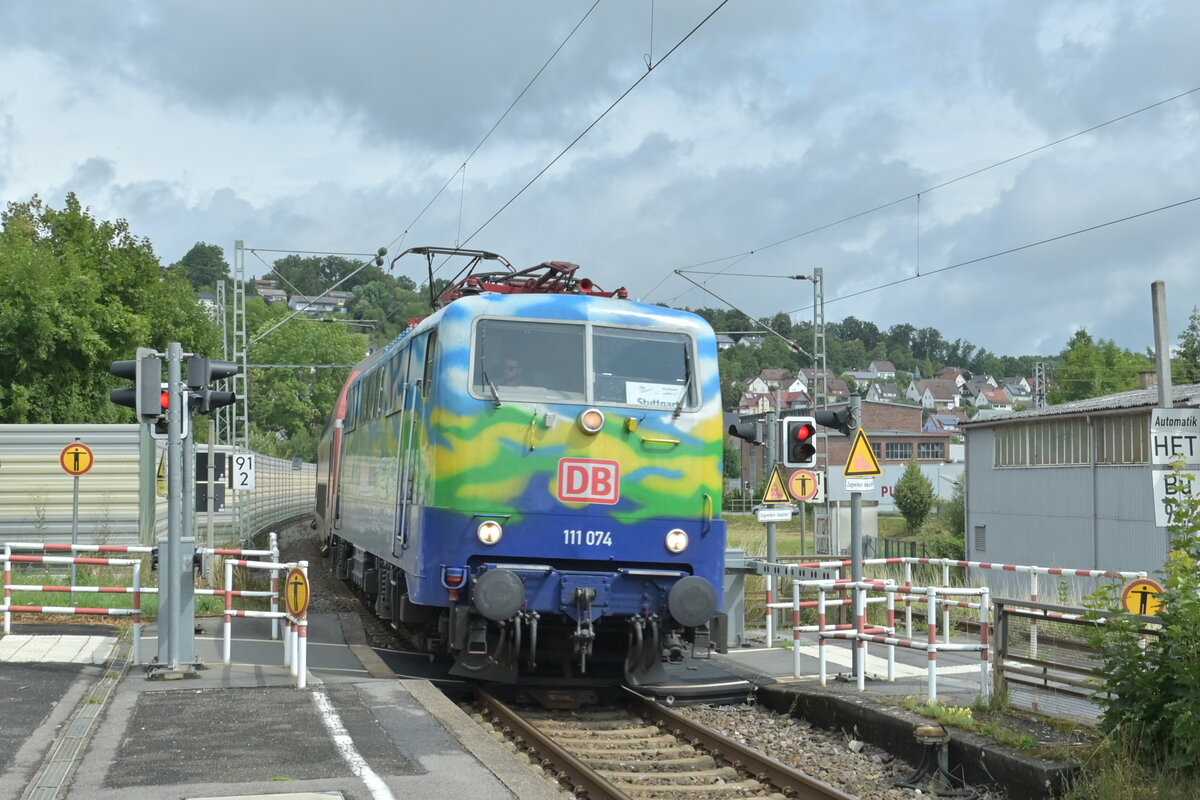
point(430, 344)
point(640, 367)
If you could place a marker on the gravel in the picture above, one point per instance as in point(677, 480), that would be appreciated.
point(851, 765)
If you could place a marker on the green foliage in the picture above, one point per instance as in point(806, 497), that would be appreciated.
point(1152, 706)
point(914, 495)
point(76, 294)
point(204, 265)
point(1187, 354)
point(1093, 369)
point(954, 510)
point(289, 405)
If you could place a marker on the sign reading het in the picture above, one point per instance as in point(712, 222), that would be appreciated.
point(1175, 436)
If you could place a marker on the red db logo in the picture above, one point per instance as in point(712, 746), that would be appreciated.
point(589, 480)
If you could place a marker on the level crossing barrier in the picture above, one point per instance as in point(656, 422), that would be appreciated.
point(862, 634)
point(295, 642)
point(72, 560)
point(1035, 574)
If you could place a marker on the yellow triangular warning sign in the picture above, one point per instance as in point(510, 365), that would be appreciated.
point(862, 462)
point(775, 492)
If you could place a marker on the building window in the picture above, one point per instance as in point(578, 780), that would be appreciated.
point(931, 450)
point(981, 538)
point(1062, 442)
point(1122, 440)
point(898, 451)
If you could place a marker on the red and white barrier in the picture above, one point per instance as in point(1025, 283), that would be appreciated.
point(295, 642)
point(136, 590)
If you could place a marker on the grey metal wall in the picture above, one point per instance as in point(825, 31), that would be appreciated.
point(36, 494)
point(1084, 517)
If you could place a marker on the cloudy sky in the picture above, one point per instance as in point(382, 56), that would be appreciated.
point(888, 144)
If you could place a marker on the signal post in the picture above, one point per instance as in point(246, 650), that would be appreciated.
point(173, 403)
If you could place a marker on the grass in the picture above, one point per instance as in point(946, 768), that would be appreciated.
point(87, 575)
point(1043, 737)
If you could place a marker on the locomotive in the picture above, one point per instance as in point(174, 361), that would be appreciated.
point(529, 479)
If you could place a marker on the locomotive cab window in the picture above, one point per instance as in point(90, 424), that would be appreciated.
point(638, 367)
point(517, 360)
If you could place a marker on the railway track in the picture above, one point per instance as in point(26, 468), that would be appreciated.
point(644, 750)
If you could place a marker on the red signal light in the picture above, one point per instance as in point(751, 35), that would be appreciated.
point(804, 432)
point(166, 400)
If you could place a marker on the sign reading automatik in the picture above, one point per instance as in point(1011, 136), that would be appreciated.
point(1174, 439)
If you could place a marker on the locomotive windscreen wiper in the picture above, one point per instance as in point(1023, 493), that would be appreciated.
point(492, 386)
point(687, 384)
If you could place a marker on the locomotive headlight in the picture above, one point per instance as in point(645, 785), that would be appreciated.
point(677, 541)
point(592, 421)
point(489, 532)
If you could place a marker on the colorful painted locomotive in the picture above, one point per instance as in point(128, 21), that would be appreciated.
point(529, 479)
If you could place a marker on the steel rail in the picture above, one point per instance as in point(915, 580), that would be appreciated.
point(584, 778)
point(767, 770)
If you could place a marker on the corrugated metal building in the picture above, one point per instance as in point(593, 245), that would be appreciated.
point(1067, 486)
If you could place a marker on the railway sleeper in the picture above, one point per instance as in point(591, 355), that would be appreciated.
point(574, 733)
point(699, 762)
point(653, 753)
point(708, 777)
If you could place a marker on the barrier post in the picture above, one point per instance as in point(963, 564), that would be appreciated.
point(228, 643)
point(1033, 627)
point(302, 624)
point(946, 629)
point(796, 629)
point(931, 596)
point(820, 630)
point(860, 627)
point(273, 546)
point(891, 623)
point(7, 591)
point(770, 610)
point(985, 624)
point(908, 582)
point(137, 612)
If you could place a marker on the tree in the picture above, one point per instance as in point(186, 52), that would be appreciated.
point(204, 265)
point(289, 405)
point(914, 496)
point(76, 294)
point(1152, 682)
point(1187, 354)
point(1093, 369)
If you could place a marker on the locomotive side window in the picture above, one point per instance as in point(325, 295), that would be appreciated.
point(639, 367)
point(520, 360)
point(430, 344)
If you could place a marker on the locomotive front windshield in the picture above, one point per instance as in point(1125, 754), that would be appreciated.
point(577, 362)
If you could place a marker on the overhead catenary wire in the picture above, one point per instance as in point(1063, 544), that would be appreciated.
point(495, 125)
point(594, 122)
point(943, 184)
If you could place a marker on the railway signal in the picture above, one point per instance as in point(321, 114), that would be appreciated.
point(840, 420)
point(202, 371)
point(146, 397)
point(749, 431)
point(800, 442)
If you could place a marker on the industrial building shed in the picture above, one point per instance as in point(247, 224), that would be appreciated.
point(1068, 485)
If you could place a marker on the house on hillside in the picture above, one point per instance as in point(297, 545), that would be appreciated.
point(995, 399)
point(882, 370)
point(934, 393)
point(956, 374)
point(883, 392)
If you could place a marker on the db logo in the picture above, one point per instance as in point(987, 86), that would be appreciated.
point(589, 480)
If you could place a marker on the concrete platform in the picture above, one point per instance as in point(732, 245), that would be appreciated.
point(105, 731)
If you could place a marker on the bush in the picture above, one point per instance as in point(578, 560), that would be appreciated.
point(1153, 705)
